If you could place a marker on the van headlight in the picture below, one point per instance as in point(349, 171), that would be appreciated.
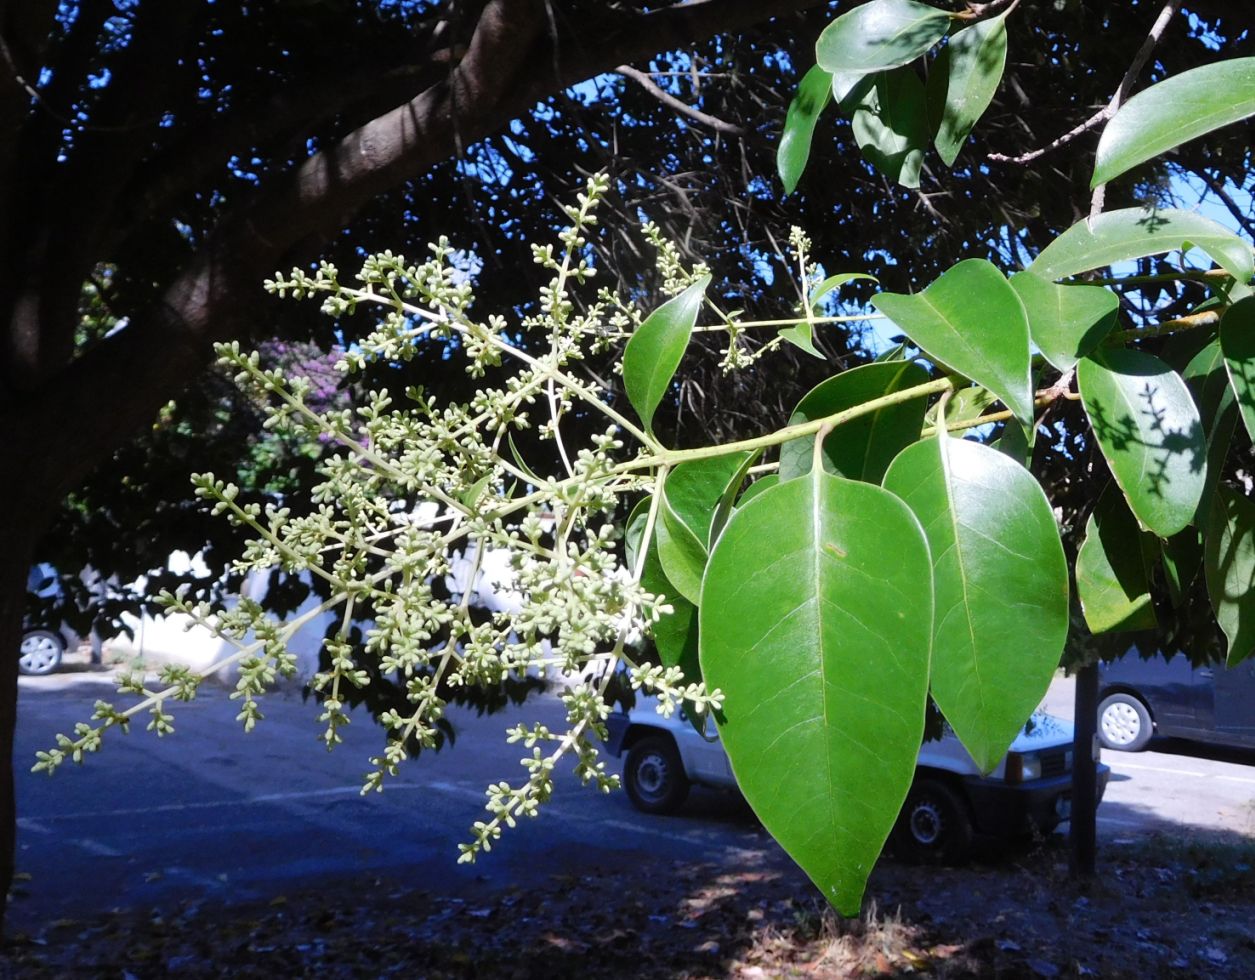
point(1023, 767)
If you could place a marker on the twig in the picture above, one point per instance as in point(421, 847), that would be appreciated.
point(1109, 110)
point(1126, 84)
point(1096, 119)
point(647, 83)
point(1192, 321)
point(1235, 209)
point(977, 10)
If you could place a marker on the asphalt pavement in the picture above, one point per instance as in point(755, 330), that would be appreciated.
point(210, 813)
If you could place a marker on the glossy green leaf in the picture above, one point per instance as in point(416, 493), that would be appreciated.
point(962, 82)
point(1133, 233)
point(1229, 562)
point(890, 123)
point(879, 35)
point(849, 87)
point(521, 462)
point(693, 490)
point(835, 282)
point(1174, 111)
point(815, 624)
point(861, 448)
point(1013, 443)
point(1150, 433)
point(633, 531)
point(971, 320)
point(1000, 581)
point(675, 634)
point(1207, 378)
point(654, 351)
point(1066, 322)
point(799, 126)
point(1237, 341)
point(470, 496)
point(802, 336)
point(1181, 557)
point(963, 406)
point(757, 487)
point(727, 503)
point(690, 499)
point(1111, 576)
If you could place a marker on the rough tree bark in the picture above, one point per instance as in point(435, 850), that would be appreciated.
point(63, 413)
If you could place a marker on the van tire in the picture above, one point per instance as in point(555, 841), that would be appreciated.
point(654, 775)
point(934, 826)
point(1124, 723)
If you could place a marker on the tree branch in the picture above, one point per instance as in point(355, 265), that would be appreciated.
point(266, 125)
point(1109, 110)
point(1126, 84)
point(1216, 186)
point(509, 65)
point(667, 99)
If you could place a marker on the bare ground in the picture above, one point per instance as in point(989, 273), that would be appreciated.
point(1159, 908)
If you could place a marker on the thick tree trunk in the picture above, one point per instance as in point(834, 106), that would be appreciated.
point(63, 416)
point(22, 520)
point(1084, 773)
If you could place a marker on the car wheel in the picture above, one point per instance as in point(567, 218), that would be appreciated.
point(1124, 723)
point(40, 652)
point(934, 826)
point(654, 776)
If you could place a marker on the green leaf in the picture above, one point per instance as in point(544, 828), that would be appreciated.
point(890, 122)
point(879, 35)
point(691, 497)
point(962, 82)
point(675, 634)
point(1174, 111)
point(757, 487)
point(815, 624)
point(1066, 322)
point(1133, 233)
point(1111, 577)
point(1000, 581)
point(799, 126)
point(654, 351)
point(966, 404)
point(1229, 562)
point(727, 503)
point(1237, 341)
point(693, 490)
point(971, 320)
point(863, 447)
point(849, 87)
point(801, 335)
point(1182, 556)
point(521, 462)
point(1013, 444)
point(1207, 378)
point(470, 496)
point(1150, 433)
point(833, 282)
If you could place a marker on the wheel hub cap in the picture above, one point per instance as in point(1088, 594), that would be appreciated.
point(38, 652)
point(1121, 724)
point(651, 776)
point(926, 823)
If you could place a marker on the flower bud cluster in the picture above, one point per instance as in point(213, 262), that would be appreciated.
point(413, 499)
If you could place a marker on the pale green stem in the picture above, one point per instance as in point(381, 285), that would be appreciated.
point(673, 457)
point(791, 321)
point(544, 372)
